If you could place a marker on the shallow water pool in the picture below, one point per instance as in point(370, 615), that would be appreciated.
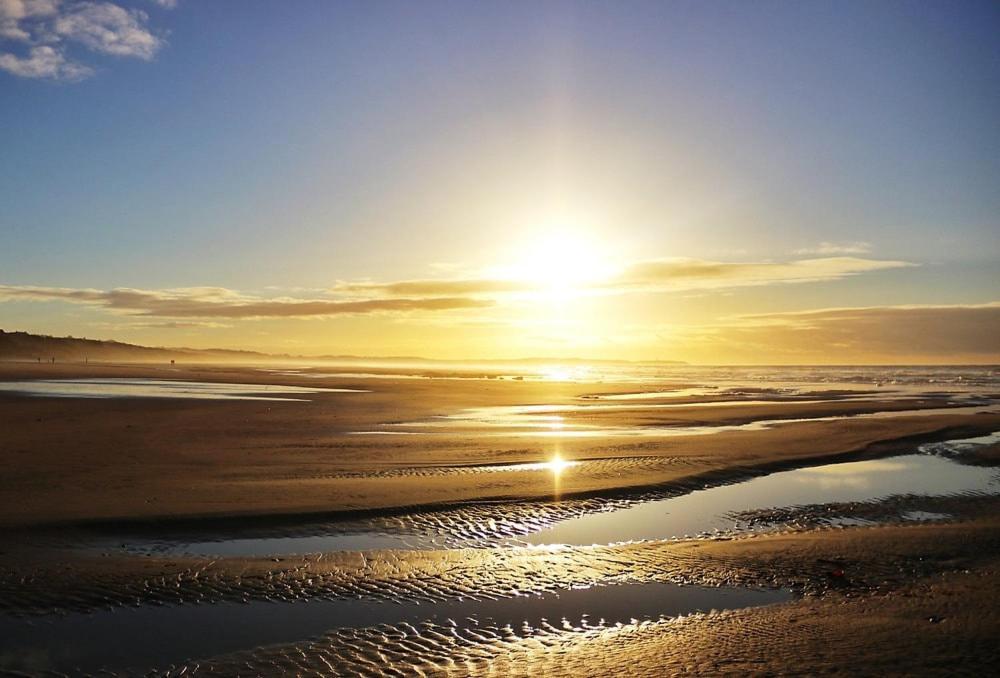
point(155, 637)
point(710, 509)
point(695, 513)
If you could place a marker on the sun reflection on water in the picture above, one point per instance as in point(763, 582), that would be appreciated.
point(557, 464)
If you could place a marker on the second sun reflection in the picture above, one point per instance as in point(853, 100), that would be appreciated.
point(557, 465)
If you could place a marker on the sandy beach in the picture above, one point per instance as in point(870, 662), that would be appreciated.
point(106, 502)
point(150, 459)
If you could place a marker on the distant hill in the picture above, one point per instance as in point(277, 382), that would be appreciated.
point(27, 346)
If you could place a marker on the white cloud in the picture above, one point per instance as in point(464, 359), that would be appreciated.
point(827, 248)
point(166, 4)
point(44, 62)
point(13, 12)
point(46, 29)
point(21, 9)
point(107, 28)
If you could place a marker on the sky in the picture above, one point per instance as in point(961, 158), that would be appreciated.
point(714, 182)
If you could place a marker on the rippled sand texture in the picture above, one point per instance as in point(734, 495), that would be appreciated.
point(883, 635)
point(882, 567)
point(380, 524)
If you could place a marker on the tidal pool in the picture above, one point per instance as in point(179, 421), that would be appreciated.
point(337, 539)
point(549, 421)
point(149, 637)
point(699, 512)
point(709, 510)
point(160, 388)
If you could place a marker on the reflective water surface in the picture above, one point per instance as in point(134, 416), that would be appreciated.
point(934, 473)
point(557, 421)
point(157, 637)
point(708, 510)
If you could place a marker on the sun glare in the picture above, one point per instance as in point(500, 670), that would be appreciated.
point(561, 262)
point(561, 373)
point(557, 464)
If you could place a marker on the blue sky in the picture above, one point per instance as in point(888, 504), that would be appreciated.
point(277, 150)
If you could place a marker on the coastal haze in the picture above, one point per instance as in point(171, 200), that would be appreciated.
point(510, 339)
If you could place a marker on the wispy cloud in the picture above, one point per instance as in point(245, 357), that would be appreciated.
point(43, 30)
point(221, 303)
point(107, 28)
point(942, 333)
point(654, 275)
point(44, 62)
point(406, 296)
point(19, 17)
point(435, 288)
point(176, 325)
point(696, 274)
point(834, 248)
point(125, 323)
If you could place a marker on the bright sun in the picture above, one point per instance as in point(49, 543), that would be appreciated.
point(560, 262)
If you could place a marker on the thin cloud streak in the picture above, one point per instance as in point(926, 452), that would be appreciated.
point(434, 288)
point(830, 248)
point(695, 274)
point(654, 275)
point(663, 275)
point(942, 332)
point(212, 302)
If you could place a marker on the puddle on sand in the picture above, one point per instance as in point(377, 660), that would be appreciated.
point(695, 513)
point(342, 540)
point(923, 516)
point(708, 510)
point(160, 388)
point(156, 637)
point(549, 421)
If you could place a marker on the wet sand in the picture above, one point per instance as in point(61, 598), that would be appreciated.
point(70, 460)
point(146, 465)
